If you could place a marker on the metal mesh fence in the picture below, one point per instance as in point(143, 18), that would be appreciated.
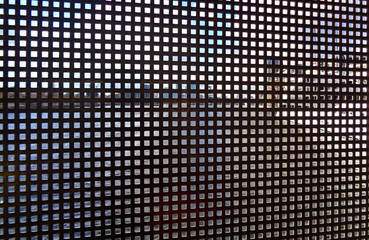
point(158, 119)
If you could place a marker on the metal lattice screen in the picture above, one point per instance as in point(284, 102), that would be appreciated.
point(158, 119)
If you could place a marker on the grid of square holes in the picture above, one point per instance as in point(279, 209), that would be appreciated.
point(158, 119)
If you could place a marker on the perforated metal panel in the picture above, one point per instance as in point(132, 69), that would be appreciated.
point(158, 119)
